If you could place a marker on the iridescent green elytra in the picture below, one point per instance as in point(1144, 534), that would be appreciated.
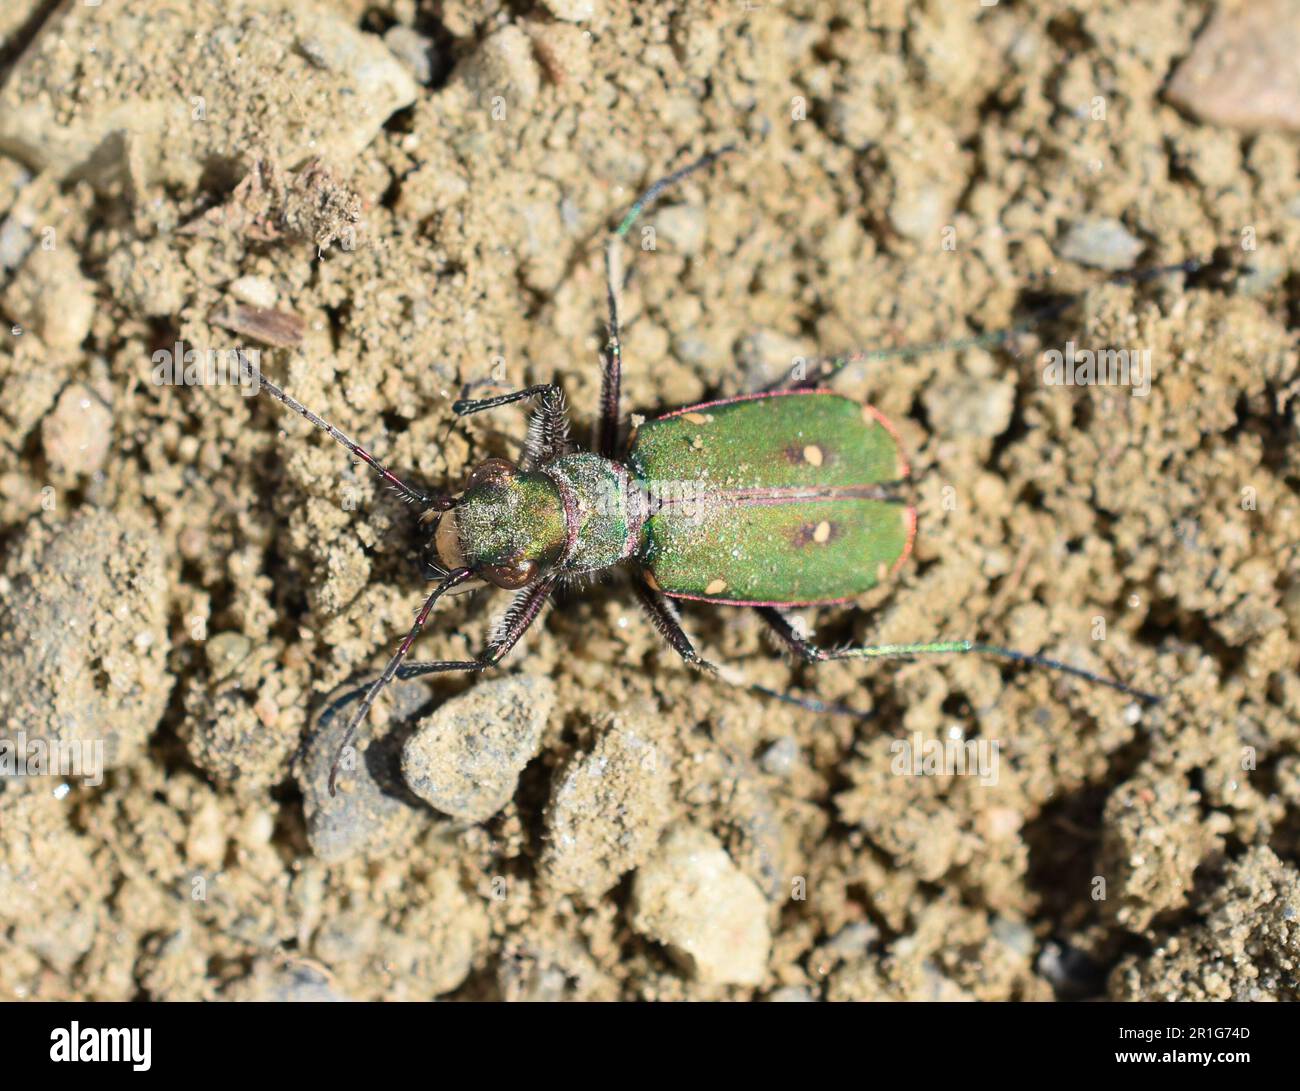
point(787, 500)
point(770, 500)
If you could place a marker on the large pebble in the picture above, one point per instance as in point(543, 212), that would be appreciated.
point(368, 815)
point(50, 295)
point(165, 96)
point(502, 72)
point(692, 898)
point(83, 635)
point(607, 809)
point(465, 759)
point(1242, 71)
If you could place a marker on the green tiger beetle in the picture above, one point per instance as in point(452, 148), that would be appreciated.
point(773, 500)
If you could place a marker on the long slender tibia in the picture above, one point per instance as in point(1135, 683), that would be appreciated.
point(648, 197)
point(962, 647)
point(459, 576)
point(824, 369)
point(438, 503)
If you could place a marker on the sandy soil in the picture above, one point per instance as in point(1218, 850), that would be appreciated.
point(421, 191)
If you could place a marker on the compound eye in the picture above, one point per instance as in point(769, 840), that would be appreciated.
point(510, 576)
point(491, 471)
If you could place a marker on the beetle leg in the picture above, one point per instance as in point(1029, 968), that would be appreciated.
point(548, 431)
point(810, 653)
point(465, 406)
point(391, 671)
point(522, 613)
point(664, 619)
point(780, 624)
point(611, 378)
point(606, 437)
point(817, 372)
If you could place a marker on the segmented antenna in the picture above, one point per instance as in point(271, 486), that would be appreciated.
point(436, 503)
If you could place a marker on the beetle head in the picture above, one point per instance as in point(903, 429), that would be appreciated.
point(507, 526)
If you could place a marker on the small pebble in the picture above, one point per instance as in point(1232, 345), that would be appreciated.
point(50, 295)
point(791, 994)
point(1102, 243)
point(682, 227)
point(969, 406)
point(692, 898)
point(255, 291)
point(855, 119)
point(414, 50)
point(205, 841)
point(295, 983)
point(77, 433)
point(1015, 935)
point(564, 52)
point(852, 940)
point(503, 68)
point(919, 213)
point(1291, 608)
point(574, 11)
point(15, 241)
point(779, 758)
point(225, 651)
point(767, 357)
